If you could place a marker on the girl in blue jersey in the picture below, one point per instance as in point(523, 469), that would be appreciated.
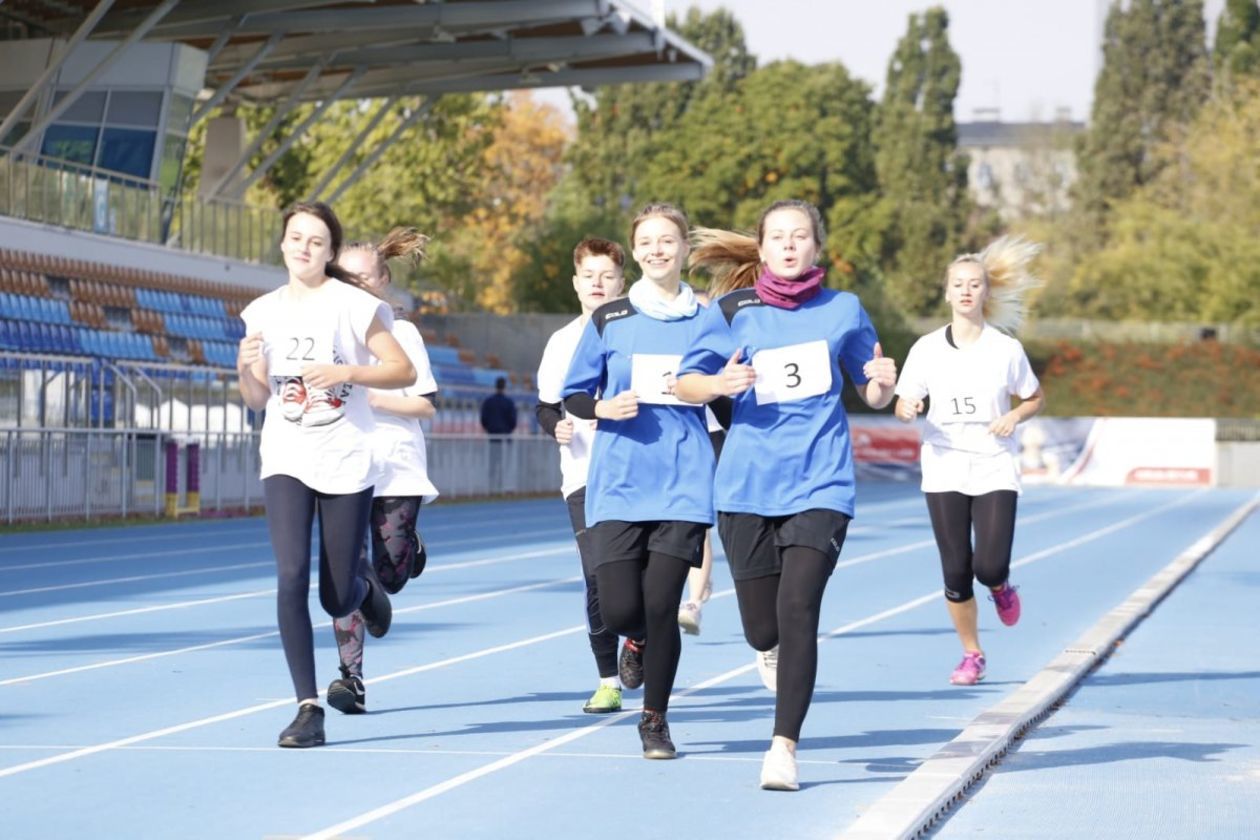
point(782, 346)
point(649, 494)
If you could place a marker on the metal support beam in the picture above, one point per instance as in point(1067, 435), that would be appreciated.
point(209, 13)
point(54, 66)
point(295, 98)
point(298, 132)
point(222, 41)
point(353, 147)
point(70, 98)
point(380, 149)
point(227, 87)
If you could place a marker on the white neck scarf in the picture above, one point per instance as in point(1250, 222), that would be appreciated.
point(647, 298)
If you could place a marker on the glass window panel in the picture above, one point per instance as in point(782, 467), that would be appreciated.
point(88, 108)
point(179, 113)
point(134, 107)
point(127, 150)
point(70, 142)
point(172, 159)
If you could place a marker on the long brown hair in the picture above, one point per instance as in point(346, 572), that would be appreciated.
point(732, 258)
point(325, 214)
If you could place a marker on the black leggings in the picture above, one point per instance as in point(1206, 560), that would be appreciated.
point(953, 515)
point(784, 609)
point(343, 520)
point(638, 599)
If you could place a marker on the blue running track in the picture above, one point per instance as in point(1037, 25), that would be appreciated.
point(144, 686)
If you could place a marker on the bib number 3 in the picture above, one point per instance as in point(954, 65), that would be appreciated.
point(795, 372)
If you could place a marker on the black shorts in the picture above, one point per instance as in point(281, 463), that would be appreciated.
point(576, 502)
point(754, 543)
point(717, 438)
point(615, 540)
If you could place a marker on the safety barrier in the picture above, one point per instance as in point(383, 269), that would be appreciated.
point(62, 474)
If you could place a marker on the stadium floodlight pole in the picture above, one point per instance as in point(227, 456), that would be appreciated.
point(96, 72)
point(54, 66)
point(380, 149)
point(295, 98)
point(354, 146)
point(230, 85)
point(323, 106)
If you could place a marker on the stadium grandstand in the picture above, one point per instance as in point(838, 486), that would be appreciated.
point(120, 292)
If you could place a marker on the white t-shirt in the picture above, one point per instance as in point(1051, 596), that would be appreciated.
point(575, 457)
point(321, 438)
point(402, 459)
point(970, 387)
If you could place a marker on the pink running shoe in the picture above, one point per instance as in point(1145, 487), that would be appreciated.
point(1007, 601)
point(970, 671)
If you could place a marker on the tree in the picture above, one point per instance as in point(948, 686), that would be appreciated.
point(922, 176)
point(1236, 51)
point(622, 130)
point(1187, 245)
point(1153, 80)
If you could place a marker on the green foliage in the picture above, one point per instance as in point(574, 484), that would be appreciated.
point(1206, 379)
point(1153, 80)
point(1187, 246)
point(1236, 51)
point(922, 176)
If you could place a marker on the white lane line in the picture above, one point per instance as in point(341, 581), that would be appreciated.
point(135, 578)
point(402, 804)
point(145, 657)
point(931, 543)
point(110, 558)
point(431, 569)
point(262, 707)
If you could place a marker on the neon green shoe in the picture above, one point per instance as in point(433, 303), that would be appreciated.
point(605, 700)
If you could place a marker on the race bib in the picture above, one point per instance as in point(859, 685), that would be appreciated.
point(788, 374)
point(290, 352)
point(649, 377)
point(962, 405)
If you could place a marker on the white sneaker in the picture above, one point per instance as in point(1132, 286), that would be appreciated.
point(768, 667)
point(689, 618)
point(778, 769)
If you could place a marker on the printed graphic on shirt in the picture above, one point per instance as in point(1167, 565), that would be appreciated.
point(309, 406)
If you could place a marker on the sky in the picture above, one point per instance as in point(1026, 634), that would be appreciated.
point(1026, 58)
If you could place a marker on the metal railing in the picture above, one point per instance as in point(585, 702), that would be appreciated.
point(73, 195)
point(62, 474)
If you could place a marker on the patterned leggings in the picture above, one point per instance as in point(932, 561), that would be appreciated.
point(396, 553)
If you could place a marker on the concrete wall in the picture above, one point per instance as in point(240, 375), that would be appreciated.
point(517, 340)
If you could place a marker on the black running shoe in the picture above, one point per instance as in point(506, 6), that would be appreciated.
point(376, 609)
point(654, 733)
point(630, 664)
point(307, 729)
point(347, 695)
point(422, 557)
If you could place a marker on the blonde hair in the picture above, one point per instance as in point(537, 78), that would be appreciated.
point(399, 242)
point(1005, 263)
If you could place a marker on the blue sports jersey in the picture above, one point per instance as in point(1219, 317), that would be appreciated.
point(788, 449)
point(659, 464)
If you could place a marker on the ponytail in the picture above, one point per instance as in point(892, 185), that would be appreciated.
point(732, 260)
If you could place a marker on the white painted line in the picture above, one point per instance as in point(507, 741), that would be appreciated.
point(145, 657)
point(112, 558)
point(464, 778)
point(922, 798)
point(262, 707)
point(135, 578)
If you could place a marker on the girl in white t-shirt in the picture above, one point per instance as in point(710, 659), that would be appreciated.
point(970, 369)
point(311, 350)
point(402, 483)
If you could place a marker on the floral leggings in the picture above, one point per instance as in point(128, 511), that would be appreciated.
point(397, 556)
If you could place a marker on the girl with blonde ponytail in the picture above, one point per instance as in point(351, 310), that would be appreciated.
point(970, 368)
point(402, 482)
point(781, 346)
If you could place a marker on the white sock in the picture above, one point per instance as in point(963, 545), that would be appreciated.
point(611, 682)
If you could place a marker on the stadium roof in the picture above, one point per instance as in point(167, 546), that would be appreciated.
point(261, 50)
